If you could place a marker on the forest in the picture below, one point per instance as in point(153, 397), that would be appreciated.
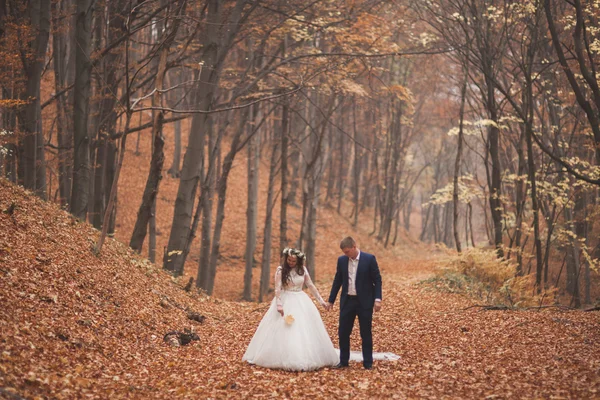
point(469, 123)
point(459, 140)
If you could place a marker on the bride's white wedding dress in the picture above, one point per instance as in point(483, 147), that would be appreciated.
point(298, 341)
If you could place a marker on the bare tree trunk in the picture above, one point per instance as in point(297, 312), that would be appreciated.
point(175, 166)
point(208, 190)
point(176, 77)
point(425, 220)
point(312, 187)
point(573, 264)
point(496, 180)
point(392, 174)
point(463, 95)
point(356, 169)
point(331, 177)
point(251, 211)
point(108, 214)
point(407, 211)
point(216, 45)
point(285, 113)
point(33, 160)
point(341, 170)
point(151, 190)
point(63, 77)
point(9, 120)
point(147, 210)
point(222, 191)
point(265, 271)
point(586, 229)
point(435, 226)
point(448, 236)
point(82, 140)
point(106, 116)
point(470, 213)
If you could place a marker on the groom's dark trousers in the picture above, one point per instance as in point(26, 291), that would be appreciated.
point(368, 288)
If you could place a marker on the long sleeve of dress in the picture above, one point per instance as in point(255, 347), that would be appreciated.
point(311, 286)
point(278, 287)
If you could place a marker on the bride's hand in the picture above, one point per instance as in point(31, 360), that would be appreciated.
point(280, 310)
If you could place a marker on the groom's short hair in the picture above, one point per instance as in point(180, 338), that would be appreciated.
point(347, 243)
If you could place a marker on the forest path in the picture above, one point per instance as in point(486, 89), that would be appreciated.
point(446, 349)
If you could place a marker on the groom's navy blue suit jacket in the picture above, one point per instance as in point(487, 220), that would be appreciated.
point(368, 281)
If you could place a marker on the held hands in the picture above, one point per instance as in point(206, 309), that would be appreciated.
point(280, 309)
point(328, 306)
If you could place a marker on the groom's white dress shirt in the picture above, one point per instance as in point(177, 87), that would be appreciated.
point(352, 269)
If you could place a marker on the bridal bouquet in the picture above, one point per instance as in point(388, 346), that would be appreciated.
point(289, 319)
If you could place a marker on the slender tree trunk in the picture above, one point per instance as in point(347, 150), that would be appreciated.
point(573, 264)
point(448, 235)
point(151, 190)
point(341, 170)
point(105, 120)
point(407, 211)
point(147, 211)
point(33, 157)
point(193, 157)
point(113, 192)
point(222, 191)
point(496, 179)
point(470, 212)
point(216, 44)
point(265, 271)
point(356, 169)
point(331, 177)
point(175, 166)
point(208, 190)
point(108, 214)
point(82, 140)
point(252, 207)
point(312, 187)
point(463, 95)
point(63, 71)
point(284, 176)
point(425, 222)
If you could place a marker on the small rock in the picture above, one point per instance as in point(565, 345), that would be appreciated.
point(165, 304)
point(194, 316)
point(177, 339)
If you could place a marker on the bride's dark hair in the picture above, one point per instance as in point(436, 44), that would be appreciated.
point(286, 269)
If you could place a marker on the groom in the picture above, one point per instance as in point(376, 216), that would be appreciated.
point(358, 276)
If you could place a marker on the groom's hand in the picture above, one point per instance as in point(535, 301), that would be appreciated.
point(328, 306)
point(377, 306)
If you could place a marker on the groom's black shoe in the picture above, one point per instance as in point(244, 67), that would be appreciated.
point(368, 366)
point(341, 365)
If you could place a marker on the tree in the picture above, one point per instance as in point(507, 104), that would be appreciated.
point(37, 32)
point(147, 208)
point(81, 134)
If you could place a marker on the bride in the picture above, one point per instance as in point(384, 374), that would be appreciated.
point(292, 335)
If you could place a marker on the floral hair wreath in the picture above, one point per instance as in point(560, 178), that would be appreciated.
point(290, 251)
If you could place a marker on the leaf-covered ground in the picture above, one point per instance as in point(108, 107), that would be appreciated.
point(76, 325)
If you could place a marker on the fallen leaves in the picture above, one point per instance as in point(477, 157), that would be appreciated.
point(84, 326)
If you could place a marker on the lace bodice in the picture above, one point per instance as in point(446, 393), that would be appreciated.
point(295, 284)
